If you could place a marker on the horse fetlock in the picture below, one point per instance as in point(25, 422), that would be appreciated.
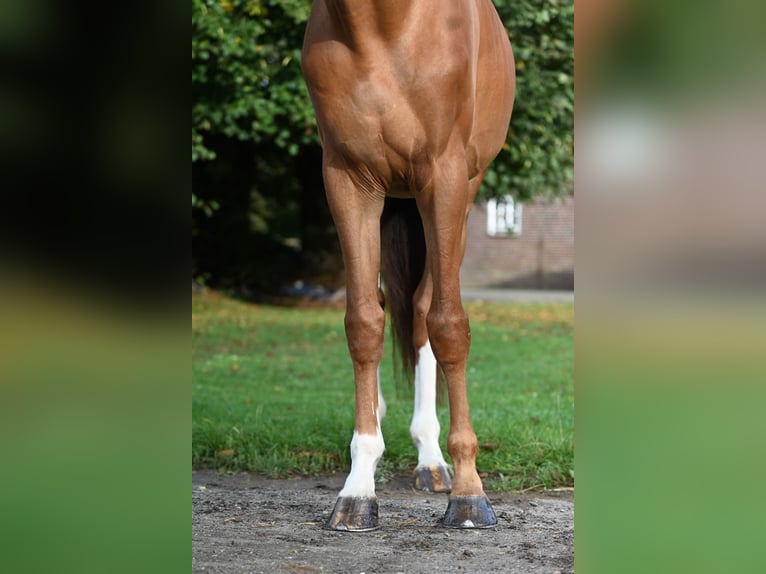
point(462, 446)
point(423, 430)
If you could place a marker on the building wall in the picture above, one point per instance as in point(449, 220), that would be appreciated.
point(540, 257)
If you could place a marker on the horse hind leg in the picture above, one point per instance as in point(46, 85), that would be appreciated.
point(381, 400)
point(431, 473)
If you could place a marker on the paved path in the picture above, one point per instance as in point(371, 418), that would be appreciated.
point(498, 295)
point(525, 295)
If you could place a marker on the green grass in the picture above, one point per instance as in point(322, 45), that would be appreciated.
point(273, 392)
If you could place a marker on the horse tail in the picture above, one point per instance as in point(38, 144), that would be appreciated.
point(403, 258)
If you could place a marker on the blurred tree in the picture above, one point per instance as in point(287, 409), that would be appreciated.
point(255, 154)
point(251, 113)
point(246, 79)
point(538, 159)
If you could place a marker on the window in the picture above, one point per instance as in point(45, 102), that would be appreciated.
point(503, 217)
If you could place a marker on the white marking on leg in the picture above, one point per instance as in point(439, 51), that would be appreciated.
point(366, 451)
point(424, 429)
point(381, 401)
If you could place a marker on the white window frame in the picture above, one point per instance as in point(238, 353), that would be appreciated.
point(503, 217)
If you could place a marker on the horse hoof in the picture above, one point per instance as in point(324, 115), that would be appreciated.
point(469, 512)
point(352, 514)
point(433, 479)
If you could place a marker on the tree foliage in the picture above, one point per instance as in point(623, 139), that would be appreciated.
point(538, 158)
point(246, 77)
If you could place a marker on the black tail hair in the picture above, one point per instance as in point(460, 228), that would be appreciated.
point(403, 258)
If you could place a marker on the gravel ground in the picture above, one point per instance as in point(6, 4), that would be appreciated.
point(247, 523)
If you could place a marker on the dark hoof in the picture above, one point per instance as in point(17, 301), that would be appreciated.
point(469, 512)
point(353, 514)
point(433, 479)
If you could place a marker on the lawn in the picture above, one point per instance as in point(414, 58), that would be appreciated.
point(272, 392)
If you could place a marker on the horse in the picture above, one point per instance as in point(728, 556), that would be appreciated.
point(412, 99)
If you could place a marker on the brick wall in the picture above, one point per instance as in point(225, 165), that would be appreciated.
point(540, 257)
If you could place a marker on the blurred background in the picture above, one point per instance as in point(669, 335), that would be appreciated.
point(671, 286)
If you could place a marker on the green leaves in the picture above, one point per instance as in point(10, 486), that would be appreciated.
point(246, 78)
point(540, 159)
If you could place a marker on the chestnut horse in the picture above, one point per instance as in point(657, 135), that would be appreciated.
point(413, 100)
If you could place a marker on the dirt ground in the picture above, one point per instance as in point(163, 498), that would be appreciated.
point(246, 523)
